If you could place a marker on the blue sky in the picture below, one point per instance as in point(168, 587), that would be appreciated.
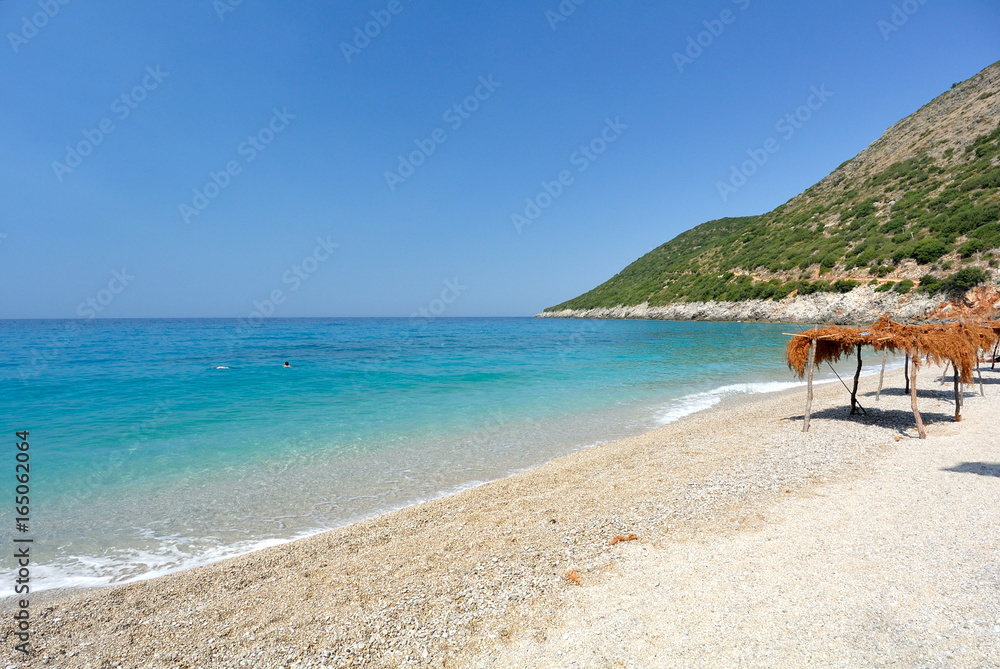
point(199, 160)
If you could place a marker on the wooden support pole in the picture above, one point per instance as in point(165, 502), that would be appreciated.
point(995, 349)
point(854, 391)
point(958, 398)
point(944, 374)
point(913, 398)
point(881, 376)
point(906, 372)
point(809, 385)
point(982, 391)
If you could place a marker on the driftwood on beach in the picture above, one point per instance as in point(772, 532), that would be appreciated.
point(956, 344)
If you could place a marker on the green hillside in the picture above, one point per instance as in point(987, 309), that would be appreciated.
point(915, 208)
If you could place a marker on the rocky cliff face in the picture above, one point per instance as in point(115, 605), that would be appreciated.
point(861, 305)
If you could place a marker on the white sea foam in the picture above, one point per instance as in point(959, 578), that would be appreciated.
point(689, 404)
point(134, 565)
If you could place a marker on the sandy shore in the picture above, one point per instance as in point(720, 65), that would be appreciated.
point(854, 545)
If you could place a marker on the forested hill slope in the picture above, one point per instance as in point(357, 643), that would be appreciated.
point(918, 209)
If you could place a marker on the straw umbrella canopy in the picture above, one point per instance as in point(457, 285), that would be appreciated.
point(958, 344)
point(995, 326)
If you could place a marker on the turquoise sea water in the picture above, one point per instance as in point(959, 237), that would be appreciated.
point(162, 444)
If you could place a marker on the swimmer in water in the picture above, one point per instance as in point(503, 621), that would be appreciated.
point(286, 364)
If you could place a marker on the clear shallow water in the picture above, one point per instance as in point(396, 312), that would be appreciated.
point(146, 457)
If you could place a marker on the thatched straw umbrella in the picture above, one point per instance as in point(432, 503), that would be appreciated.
point(985, 337)
point(885, 335)
point(958, 344)
point(995, 326)
point(807, 349)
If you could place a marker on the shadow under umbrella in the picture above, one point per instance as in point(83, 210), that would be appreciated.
point(980, 468)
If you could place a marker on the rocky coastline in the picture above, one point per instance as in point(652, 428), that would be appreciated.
point(861, 305)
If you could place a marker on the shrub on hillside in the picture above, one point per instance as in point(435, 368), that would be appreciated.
point(930, 284)
point(929, 250)
point(964, 279)
point(844, 285)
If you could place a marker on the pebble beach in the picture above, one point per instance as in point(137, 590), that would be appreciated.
point(728, 538)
